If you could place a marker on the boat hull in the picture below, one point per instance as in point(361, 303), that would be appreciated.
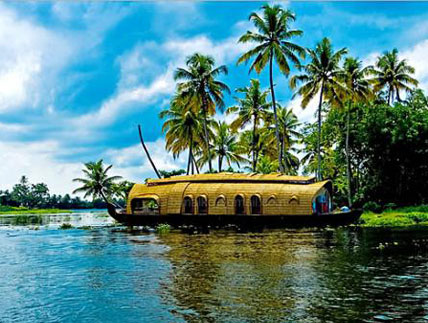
point(242, 221)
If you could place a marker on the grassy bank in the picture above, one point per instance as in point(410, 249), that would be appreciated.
point(9, 210)
point(407, 216)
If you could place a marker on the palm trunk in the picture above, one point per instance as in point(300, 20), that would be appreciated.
point(147, 152)
point(398, 96)
point(348, 163)
point(274, 112)
point(190, 155)
point(283, 155)
point(220, 162)
point(207, 139)
point(254, 142)
point(319, 175)
point(195, 164)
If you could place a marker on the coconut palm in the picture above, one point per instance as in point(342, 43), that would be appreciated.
point(272, 41)
point(321, 76)
point(357, 87)
point(199, 85)
point(288, 133)
point(96, 182)
point(252, 109)
point(266, 165)
point(224, 146)
point(394, 74)
point(183, 130)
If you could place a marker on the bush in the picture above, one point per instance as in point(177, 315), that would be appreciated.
point(163, 228)
point(390, 206)
point(65, 226)
point(372, 207)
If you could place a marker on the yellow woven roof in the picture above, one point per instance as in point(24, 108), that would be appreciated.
point(234, 177)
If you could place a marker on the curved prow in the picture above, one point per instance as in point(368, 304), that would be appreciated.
point(112, 211)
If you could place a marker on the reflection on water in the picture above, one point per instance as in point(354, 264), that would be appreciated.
point(106, 274)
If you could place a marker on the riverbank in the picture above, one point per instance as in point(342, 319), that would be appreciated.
point(402, 217)
point(10, 210)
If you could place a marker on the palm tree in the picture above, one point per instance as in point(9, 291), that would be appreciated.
point(203, 91)
point(288, 133)
point(266, 165)
point(96, 182)
point(183, 130)
point(357, 87)
point(224, 146)
point(394, 74)
point(321, 76)
point(272, 41)
point(252, 109)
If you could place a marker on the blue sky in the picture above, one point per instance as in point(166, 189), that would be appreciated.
point(76, 78)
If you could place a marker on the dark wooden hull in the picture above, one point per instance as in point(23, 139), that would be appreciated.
point(243, 221)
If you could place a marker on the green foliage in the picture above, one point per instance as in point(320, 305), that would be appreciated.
point(396, 218)
point(27, 219)
point(163, 228)
point(175, 172)
point(372, 207)
point(65, 226)
point(96, 182)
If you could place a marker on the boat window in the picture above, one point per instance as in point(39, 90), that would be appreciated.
point(271, 200)
point(256, 207)
point(147, 206)
point(220, 201)
point(239, 205)
point(294, 200)
point(202, 205)
point(188, 205)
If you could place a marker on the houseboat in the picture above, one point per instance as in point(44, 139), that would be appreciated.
point(224, 199)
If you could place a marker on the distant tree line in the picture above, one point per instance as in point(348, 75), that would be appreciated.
point(26, 194)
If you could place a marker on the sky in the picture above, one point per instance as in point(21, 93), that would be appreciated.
point(77, 78)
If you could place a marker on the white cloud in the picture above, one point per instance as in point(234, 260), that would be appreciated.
point(37, 161)
point(417, 57)
point(307, 114)
point(139, 65)
point(27, 61)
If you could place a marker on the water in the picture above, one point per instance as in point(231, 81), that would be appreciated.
point(109, 275)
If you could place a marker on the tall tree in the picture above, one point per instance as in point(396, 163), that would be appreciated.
point(320, 75)
point(96, 182)
point(204, 92)
point(224, 146)
point(273, 40)
point(183, 130)
point(288, 133)
point(357, 89)
point(393, 74)
point(251, 109)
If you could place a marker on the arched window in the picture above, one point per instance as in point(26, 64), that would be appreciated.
point(239, 205)
point(256, 206)
point(220, 201)
point(187, 205)
point(202, 205)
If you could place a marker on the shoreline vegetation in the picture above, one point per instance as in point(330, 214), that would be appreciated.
point(400, 217)
point(11, 210)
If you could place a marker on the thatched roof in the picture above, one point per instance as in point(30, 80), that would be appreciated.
point(234, 177)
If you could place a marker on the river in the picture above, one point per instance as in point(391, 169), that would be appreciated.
point(106, 274)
